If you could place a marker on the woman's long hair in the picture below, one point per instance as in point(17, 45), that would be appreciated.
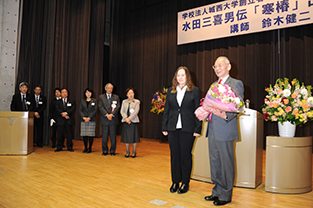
point(189, 83)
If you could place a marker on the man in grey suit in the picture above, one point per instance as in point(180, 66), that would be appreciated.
point(109, 106)
point(222, 132)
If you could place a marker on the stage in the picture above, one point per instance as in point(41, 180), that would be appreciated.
point(46, 178)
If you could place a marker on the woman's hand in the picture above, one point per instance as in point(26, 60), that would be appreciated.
point(127, 120)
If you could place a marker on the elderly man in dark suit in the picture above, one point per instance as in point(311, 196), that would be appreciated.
point(222, 132)
point(109, 106)
point(21, 101)
point(40, 103)
point(64, 119)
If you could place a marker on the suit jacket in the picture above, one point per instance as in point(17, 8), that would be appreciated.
point(105, 108)
point(190, 103)
point(17, 105)
point(42, 104)
point(52, 109)
point(89, 111)
point(69, 109)
point(134, 107)
point(227, 130)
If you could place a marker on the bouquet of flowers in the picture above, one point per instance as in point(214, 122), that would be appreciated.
point(220, 97)
point(288, 102)
point(158, 101)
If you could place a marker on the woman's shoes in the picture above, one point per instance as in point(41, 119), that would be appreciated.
point(127, 154)
point(174, 187)
point(133, 155)
point(89, 150)
point(85, 151)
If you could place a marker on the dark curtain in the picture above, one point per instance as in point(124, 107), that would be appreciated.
point(62, 46)
point(145, 55)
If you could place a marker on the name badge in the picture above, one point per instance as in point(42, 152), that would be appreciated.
point(40, 102)
point(93, 104)
point(69, 104)
point(131, 110)
point(114, 102)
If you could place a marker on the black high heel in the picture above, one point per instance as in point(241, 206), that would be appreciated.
point(127, 154)
point(133, 155)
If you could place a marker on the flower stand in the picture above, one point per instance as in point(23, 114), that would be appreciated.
point(288, 164)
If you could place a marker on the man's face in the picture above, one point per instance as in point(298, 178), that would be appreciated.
point(109, 89)
point(57, 93)
point(221, 68)
point(23, 89)
point(64, 93)
point(37, 90)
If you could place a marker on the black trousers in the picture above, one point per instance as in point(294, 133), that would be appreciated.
point(38, 130)
point(54, 135)
point(105, 134)
point(68, 131)
point(181, 144)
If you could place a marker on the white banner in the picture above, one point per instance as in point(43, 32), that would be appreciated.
point(239, 17)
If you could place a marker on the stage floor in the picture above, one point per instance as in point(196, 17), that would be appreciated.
point(46, 178)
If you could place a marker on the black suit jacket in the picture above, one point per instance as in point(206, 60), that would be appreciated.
point(42, 104)
point(17, 105)
point(89, 111)
point(190, 103)
point(69, 109)
point(52, 109)
point(106, 108)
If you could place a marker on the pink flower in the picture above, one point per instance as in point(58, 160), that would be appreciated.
point(274, 118)
point(288, 109)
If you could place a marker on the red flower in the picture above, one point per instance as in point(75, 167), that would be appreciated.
point(266, 99)
point(266, 116)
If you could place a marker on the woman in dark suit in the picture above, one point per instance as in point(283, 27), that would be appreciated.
point(181, 126)
point(87, 111)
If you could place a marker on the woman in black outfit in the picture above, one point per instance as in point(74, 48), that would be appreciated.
point(181, 126)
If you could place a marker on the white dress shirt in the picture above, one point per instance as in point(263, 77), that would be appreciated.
point(179, 98)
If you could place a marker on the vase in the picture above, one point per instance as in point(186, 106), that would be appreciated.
point(286, 129)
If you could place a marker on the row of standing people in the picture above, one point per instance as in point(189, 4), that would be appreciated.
point(61, 112)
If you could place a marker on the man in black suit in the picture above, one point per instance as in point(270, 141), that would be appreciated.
point(21, 101)
point(40, 103)
point(222, 132)
point(63, 115)
point(109, 106)
point(52, 119)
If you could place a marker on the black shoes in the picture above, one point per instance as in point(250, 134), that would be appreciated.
point(183, 189)
point(127, 154)
point(89, 150)
point(112, 154)
point(104, 153)
point(210, 198)
point(174, 187)
point(71, 150)
point(133, 155)
point(58, 150)
point(218, 202)
point(85, 151)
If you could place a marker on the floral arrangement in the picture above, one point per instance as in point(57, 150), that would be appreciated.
point(221, 97)
point(158, 101)
point(288, 102)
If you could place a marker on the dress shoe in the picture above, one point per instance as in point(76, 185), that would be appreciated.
point(104, 153)
point(133, 155)
point(40, 146)
point(127, 154)
point(71, 150)
point(174, 187)
point(210, 198)
point(113, 154)
point(58, 150)
point(218, 202)
point(53, 146)
point(183, 189)
point(89, 150)
point(85, 151)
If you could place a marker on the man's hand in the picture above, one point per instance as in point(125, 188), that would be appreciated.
point(110, 116)
point(64, 114)
point(37, 115)
point(221, 114)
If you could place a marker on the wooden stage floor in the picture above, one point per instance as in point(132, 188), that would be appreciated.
point(45, 178)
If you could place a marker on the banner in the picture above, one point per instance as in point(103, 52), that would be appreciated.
point(240, 17)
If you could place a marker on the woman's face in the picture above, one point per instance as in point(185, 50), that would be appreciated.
point(88, 94)
point(130, 94)
point(181, 77)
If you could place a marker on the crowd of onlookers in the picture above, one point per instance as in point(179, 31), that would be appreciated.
point(61, 111)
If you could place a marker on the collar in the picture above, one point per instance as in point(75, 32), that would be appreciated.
point(181, 90)
point(224, 79)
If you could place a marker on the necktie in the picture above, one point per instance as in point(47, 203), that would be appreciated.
point(37, 101)
point(109, 99)
point(219, 82)
point(24, 104)
point(64, 103)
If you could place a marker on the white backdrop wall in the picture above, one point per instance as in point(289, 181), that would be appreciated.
point(9, 18)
